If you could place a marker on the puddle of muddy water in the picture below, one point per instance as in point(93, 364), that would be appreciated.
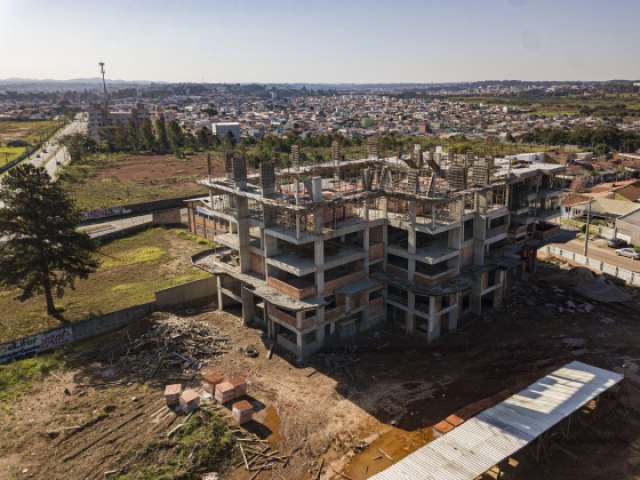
point(394, 442)
point(272, 422)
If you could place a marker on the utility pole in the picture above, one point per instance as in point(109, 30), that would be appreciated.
point(586, 237)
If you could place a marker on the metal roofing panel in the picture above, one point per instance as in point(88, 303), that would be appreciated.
point(498, 432)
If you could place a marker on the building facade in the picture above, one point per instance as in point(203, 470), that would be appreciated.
point(101, 116)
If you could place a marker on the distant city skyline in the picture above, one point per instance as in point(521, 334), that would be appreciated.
point(286, 41)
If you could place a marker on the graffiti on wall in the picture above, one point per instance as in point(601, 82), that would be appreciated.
point(106, 212)
point(24, 347)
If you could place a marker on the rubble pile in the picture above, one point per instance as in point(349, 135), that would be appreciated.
point(171, 344)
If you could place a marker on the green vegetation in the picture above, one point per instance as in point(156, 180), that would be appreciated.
point(600, 139)
point(563, 103)
point(195, 238)
point(204, 444)
point(42, 251)
point(132, 270)
point(31, 132)
point(9, 153)
point(18, 378)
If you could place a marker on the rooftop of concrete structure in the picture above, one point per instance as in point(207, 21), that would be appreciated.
point(337, 190)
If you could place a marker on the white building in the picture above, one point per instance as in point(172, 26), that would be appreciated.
point(222, 129)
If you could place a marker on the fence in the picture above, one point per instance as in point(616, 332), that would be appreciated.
point(629, 276)
point(58, 337)
point(17, 160)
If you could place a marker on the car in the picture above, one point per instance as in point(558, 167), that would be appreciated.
point(628, 252)
point(617, 243)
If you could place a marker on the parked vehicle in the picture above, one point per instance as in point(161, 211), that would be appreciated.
point(628, 252)
point(617, 243)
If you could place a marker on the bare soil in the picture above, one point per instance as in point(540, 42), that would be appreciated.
point(150, 168)
point(353, 419)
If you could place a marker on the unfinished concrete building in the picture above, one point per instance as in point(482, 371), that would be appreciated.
point(316, 254)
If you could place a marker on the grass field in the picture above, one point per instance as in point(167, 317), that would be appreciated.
point(109, 180)
point(31, 132)
point(132, 269)
point(9, 153)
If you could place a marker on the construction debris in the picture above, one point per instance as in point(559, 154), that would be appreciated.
point(258, 456)
point(172, 343)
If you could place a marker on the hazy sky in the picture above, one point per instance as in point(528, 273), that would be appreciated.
point(321, 41)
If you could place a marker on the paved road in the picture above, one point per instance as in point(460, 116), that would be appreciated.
point(601, 253)
point(57, 155)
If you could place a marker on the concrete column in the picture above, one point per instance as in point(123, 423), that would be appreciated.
point(479, 236)
point(365, 244)
point(434, 323)
point(453, 317)
point(243, 234)
point(411, 319)
point(220, 294)
point(412, 211)
point(318, 251)
point(385, 242)
point(248, 307)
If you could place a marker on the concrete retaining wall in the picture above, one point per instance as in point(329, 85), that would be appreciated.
point(630, 277)
point(110, 321)
point(136, 209)
point(187, 292)
point(58, 337)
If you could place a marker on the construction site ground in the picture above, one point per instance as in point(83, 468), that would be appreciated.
point(110, 180)
point(343, 415)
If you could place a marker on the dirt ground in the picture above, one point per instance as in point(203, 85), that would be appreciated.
point(114, 180)
point(357, 420)
point(145, 168)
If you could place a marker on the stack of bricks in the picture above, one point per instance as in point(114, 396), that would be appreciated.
point(189, 401)
point(464, 414)
point(172, 394)
point(209, 382)
point(239, 387)
point(225, 392)
point(242, 411)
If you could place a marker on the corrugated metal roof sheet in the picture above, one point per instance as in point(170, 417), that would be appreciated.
point(498, 432)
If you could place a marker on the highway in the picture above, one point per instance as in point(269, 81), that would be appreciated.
point(56, 155)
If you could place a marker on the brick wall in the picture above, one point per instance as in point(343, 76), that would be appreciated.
point(294, 292)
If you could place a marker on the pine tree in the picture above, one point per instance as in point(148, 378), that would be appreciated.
point(146, 130)
point(41, 251)
point(162, 141)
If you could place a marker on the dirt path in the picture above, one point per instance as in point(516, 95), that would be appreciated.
point(355, 418)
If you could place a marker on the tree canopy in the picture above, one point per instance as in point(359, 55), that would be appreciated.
point(41, 251)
